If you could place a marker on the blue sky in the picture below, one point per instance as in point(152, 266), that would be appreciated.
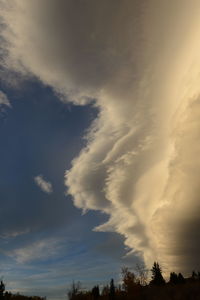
point(45, 241)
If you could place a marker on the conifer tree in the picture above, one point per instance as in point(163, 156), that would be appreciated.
point(194, 275)
point(112, 290)
point(181, 279)
point(173, 278)
point(95, 292)
point(2, 289)
point(157, 278)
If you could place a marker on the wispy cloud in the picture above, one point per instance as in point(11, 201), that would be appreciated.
point(39, 250)
point(4, 99)
point(44, 185)
point(13, 233)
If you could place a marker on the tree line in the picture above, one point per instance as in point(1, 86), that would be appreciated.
point(136, 286)
point(5, 295)
point(133, 286)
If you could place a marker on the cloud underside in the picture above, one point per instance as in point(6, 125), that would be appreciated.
point(138, 63)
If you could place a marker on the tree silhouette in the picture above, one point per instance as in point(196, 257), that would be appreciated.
point(157, 278)
point(129, 280)
point(173, 278)
point(198, 275)
point(105, 291)
point(95, 292)
point(74, 290)
point(181, 279)
point(194, 275)
point(142, 274)
point(2, 289)
point(112, 290)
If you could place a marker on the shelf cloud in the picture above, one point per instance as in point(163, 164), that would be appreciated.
point(138, 63)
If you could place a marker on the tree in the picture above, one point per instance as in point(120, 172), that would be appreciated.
point(130, 282)
point(194, 275)
point(181, 279)
point(95, 292)
point(198, 275)
point(105, 291)
point(173, 278)
point(112, 290)
point(2, 289)
point(74, 290)
point(7, 296)
point(157, 278)
point(142, 274)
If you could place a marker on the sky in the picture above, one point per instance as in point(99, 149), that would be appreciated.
point(46, 242)
point(99, 129)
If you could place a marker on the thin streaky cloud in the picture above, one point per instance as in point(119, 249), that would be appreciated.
point(4, 99)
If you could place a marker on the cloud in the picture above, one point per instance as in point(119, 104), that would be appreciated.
point(13, 233)
point(4, 100)
point(39, 250)
point(138, 63)
point(45, 185)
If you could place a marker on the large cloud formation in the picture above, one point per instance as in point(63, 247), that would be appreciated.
point(138, 63)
